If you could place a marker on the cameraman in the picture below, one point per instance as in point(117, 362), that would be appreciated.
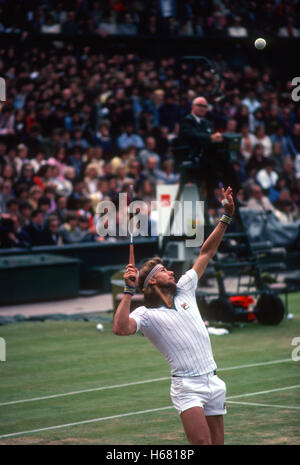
point(206, 150)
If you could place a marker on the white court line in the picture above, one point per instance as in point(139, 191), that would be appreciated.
point(93, 420)
point(263, 405)
point(154, 380)
point(259, 364)
point(265, 392)
point(83, 422)
point(53, 396)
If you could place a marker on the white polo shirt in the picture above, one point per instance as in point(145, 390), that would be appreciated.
point(179, 333)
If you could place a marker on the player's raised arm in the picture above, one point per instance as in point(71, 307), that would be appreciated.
point(123, 324)
point(213, 241)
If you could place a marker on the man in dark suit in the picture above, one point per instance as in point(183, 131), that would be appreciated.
point(36, 230)
point(205, 149)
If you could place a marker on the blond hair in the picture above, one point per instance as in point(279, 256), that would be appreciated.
point(151, 298)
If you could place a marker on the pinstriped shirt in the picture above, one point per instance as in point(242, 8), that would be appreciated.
point(179, 333)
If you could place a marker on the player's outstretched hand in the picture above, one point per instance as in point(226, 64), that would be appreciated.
point(131, 276)
point(227, 201)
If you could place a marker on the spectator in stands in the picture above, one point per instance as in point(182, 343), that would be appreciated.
point(50, 193)
point(59, 159)
point(151, 170)
point(251, 102)
point(135, 173)
point(86, 211)
point(12, 206)
point(267, 177)
point(65, 185)
point(259, 117)
point(25, 212)
point(170, 27)
point(35, 140)
point(61, 211)
point(108, 25)
point(218, 27)
point(11, 233)
point(129, 138)
point(152, 26)
point(169, 113)
point(257, 159)
point(163, 144)
point(77, 194)
point(293, 141)
point(147, 191)
point(237, 30)
point(10, 159)
point(260, 137)
point(297, 166)
point(21, 157)
point(277, 156)
point(26, 175)
point(70, 27)
point(78, 140)
point(9, 173)
point(35, 193)
point(149, 151)
point(5, 194)
point(127, 25)
point(53, 235)
point(7, 121)
point(21, 192)
point(102, 193)
point(87, 234)
point(167, 174)
point(76, 161)
point(103, 137)
point(279, 136)
point(289, 172)
point(113, 187)
point(70, 231)
point(44, 205)
point(49, 26)
point(273, 121)
point(36, 230)
point(258, 201)
point(289, 30)
point(91, 179)
point(246, 142)
point(285, 211)
point(97, 160)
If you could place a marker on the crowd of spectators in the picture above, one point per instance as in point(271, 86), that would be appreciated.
point(79, 126)
point(214, 18)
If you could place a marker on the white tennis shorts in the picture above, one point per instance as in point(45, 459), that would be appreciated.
point(206, 391)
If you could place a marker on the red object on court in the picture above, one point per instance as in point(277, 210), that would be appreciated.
point(244, 301)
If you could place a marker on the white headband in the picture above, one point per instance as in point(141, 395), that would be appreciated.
point(152, 273)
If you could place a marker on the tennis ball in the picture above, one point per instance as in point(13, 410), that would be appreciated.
point(260, 43)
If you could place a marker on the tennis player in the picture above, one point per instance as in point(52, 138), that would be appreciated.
point(171, 320)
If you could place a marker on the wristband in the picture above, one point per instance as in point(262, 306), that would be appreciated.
point(225, 219)
point(129, 290)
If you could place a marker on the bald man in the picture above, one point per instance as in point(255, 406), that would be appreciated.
point(196, 130)
point(205, 149)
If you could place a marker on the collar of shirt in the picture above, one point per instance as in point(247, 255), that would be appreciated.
point(197, 118)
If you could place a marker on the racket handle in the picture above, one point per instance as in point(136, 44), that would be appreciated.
point(131, 259)
point(131, 255)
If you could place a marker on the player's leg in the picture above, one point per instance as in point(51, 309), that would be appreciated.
point(215, 409)
point(196, 427)
point(216, 427)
